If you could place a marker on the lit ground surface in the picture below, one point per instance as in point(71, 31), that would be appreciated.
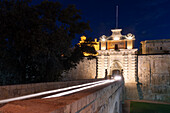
point(54, 101)
point(141, 107)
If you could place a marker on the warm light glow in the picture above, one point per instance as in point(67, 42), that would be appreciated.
point(103, 48)
point(95, 45)
point(116, 38)
point(117, 77)
point(129, 47)
point(103, 39)
point(130, 36)
point(83, 38)
point(129, 44)
point(90, 54)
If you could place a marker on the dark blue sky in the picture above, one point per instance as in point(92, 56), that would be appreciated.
point(146, 19)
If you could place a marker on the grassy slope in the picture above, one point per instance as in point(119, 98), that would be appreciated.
point(140, 107)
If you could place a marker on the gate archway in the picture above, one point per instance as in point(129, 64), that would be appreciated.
point(116, 69)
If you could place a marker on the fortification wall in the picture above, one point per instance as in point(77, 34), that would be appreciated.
point(86, 69)
point(154, 77)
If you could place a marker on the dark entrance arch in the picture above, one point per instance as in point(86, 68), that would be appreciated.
point(115, 72)
point(115, 69)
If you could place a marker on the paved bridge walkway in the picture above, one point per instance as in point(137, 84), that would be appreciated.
point(100, 96)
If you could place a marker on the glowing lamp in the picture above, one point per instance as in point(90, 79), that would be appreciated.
point(116, 38)
point(103, 48)
point(103, 39)
point(129, 47)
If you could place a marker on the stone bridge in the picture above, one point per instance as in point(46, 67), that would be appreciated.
point(105, 98)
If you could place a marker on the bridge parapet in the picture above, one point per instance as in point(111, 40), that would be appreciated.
point(10, 91)
point(106, 98)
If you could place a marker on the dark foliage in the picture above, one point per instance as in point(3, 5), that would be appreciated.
point(77, 53)
point(35, 40)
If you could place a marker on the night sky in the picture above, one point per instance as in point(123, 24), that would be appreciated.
point(146, 19)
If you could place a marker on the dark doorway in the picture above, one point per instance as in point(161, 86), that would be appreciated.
point(115, 72)
point(116, 46)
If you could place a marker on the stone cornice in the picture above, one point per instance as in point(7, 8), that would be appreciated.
point(116, 52)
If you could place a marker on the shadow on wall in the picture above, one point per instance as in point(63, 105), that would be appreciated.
point(139, 89)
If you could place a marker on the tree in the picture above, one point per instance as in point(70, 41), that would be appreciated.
point(78, 53)
point(34, 38)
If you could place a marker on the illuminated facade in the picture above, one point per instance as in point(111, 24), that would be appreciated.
point(116, 55)
point(145, 75)
point(155, 46)
point(95, 45)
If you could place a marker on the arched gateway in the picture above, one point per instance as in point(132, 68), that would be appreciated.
point(116, 68)
point(117, 55)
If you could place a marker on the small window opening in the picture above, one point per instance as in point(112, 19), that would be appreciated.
point(160, 48)
point(116, 46)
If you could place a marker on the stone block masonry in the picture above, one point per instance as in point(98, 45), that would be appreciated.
point(146, 76)
point(105, 98)
point(154, 77)
point(86, 69)
point(123, 60)
point(25, 89)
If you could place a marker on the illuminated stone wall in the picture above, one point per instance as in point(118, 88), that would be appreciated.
point(154, 75)
point(124, 60)
point(155, 46)
point(86, 69)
